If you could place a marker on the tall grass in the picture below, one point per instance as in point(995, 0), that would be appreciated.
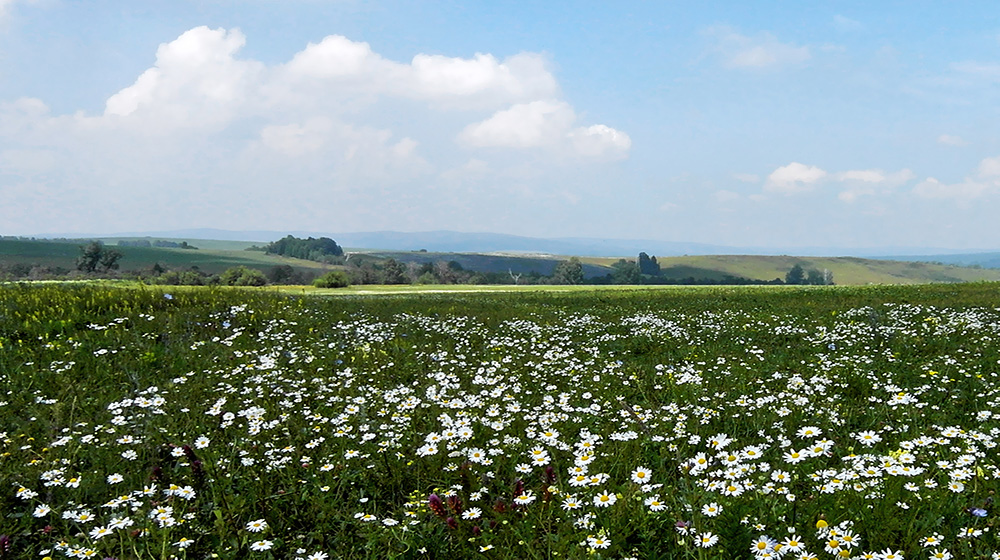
point(686, 423)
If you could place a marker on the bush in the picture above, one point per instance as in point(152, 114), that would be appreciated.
point(243, 276)
point(333, 279)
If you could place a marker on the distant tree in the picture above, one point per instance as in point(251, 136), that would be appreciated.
point(827, 277)
point(393, 272)
point(625, 272)
point(280, 274)
point(648, 265)
point(333, 279)
point(243, 276)
point(446, 273)
point(815, 277)
point(797, 275)
point(323, 249)
point(568, 272)
point(96, 257)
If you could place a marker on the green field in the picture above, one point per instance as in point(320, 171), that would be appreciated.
point(207, 259)
point(850, 271)
point(696, 423)
point(214, 257)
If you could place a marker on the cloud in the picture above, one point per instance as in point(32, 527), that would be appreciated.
point(846, 24)
point(545, 124)
point(949, 140)
point(797, 178)
point(793, 178)
point(870, 182)
point(758, 52)
point(984, 182)
point(336, 124)
point(477, 82)
point(196, 80)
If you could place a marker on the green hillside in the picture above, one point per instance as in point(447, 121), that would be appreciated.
point(846, 270)
point(63, 255)
point(215, 257)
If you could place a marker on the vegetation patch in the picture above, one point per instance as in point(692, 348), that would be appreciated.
point(708, 423)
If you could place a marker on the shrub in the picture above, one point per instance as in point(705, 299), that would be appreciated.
point(332, 279)
point(243, 276)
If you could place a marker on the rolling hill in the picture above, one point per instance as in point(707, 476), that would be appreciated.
point(215, 256)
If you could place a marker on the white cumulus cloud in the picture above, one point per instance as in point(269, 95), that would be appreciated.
point(985, 181)
point(870, 182)
point(793, 178)
point(546, 124)
point(337, 121)
point(763, 50)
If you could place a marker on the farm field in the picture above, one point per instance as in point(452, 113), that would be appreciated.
point(211, 257)
point(699, 423)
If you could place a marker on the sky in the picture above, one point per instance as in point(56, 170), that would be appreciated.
point(766, 124)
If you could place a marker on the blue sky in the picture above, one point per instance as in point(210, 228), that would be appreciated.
point(841, 124)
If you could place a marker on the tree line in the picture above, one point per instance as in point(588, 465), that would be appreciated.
point(97, 259)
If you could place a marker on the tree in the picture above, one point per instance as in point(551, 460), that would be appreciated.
point(393, 272)
point(625, 272)
point(95, 256)
point(568, 272)
point(648, 265)
point(815, 277)
point(797, 275)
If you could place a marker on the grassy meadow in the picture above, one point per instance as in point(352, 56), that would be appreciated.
point(689, 423)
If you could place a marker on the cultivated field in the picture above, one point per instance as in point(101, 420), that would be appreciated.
point(703, 423)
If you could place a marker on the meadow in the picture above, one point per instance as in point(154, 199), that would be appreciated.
point(694, 423)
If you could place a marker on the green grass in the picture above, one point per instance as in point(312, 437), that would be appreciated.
point(314, 415)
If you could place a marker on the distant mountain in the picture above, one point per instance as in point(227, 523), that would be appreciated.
point(461, 242)
point(984, 260)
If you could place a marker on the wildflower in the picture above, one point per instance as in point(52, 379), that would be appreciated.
point(184, 542)
point(604, 499)
point(115, 478)
point(711, 510)
point(472, 513)
point(485, 548)
point(889, 554)
point(570, 502)
point(600, 541)
point(761, 544)
point(793, 543)
point(641, 475)
point(261, 545)
point(524, 499)
point(100, 532)
point(655, 504)
point(41, 510)
point(969, 532)
point(940, 554)
point(932, 540)
point(257, 526)
point(706, 540)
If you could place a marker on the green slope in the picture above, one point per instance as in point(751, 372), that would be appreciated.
point(60, 254)
point(846, 270)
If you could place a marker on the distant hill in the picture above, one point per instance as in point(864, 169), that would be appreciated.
point(461, 242)
point(984, 260)
point(846, 270)
point(215, 256)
